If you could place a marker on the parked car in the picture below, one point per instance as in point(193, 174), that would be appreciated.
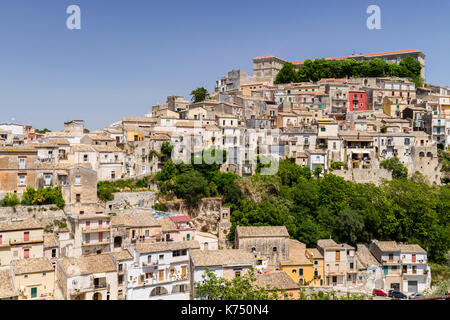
point(397, 294)
point(416, 296)
point(378, 292)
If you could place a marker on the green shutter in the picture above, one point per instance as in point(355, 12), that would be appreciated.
point(34, 292)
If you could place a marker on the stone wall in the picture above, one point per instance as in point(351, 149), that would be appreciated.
point(364, 175)
point(130, 200)
point(205, 216)
point(43, 214)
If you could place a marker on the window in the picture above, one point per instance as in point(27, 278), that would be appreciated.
point(294, 271)
point(26, 253)
point(323, 129)
point(161, 256)
point(85, 158)
point(78, 197)
point(120, 266)
point(21, 181)
point(316, 272)
point(300, 271)
point(53, 253)
point(147, 233)
point(48, 179)
point(316, 262)
point(22, 163)
point(78, 180)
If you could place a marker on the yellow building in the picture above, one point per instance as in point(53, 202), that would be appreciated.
point(34, 278)
point(299, 267)
point(316, 258)
point(135, 136)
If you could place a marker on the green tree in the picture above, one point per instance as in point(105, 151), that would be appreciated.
point(191, 186)
point(213, 287)
point(349, 226)
point(287, 74)
point(166, 148)
point(399, 171)
point(199, 94)
point(168, 171)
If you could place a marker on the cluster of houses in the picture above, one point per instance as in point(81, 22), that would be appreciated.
point(136, 256)
point(346, 125)
point(123, 249)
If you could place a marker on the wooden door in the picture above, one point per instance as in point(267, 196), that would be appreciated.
point(161, 275)
point(100, 237)
point(100, 224)
point(183, 271)
point(26, 236)
point(413, 258)
point(338, 255)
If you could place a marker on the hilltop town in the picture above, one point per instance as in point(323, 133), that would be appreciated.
point(106, 214)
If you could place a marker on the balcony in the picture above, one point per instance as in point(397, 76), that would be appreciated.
point(391, 261)
point(335, 270)
point(88, 244)
point(94, 230)
point(100, 286)
point(26, 241)
point(150, 264)
point(155, 281)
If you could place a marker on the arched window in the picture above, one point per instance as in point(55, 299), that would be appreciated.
point(421, 154)
point(158, 291)
point(429, 155)
point(274, 249)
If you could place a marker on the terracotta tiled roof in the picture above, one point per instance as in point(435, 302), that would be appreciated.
point(166, 246)
point(7, 289)
point(411, 248)
point(50, 240)
point(277, 279)
point(180, 219)
point(122, 255)
point(297, 254)
point(271, 231)
point(167, 225)
point(221, 257)
point(99, 263)
point(33, 265)
point(365, 258)
point(27, 224)
point(135, 220)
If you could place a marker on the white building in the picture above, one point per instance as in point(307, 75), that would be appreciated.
point(160, 271)
point(87, 278)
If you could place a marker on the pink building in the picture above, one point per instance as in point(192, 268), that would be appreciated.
point(357, 100)
point(177, 228)
point(51, 248)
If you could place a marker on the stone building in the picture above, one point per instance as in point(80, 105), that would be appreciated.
point(269, 242)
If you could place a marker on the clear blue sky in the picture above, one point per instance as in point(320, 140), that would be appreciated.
point(131, 54)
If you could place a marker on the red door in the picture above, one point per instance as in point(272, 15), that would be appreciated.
point(26, 236)
point(88, 225)
point(413, 258)
point(1, 239)
point(100, 223)
point(100, 237)
point(26, 253)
